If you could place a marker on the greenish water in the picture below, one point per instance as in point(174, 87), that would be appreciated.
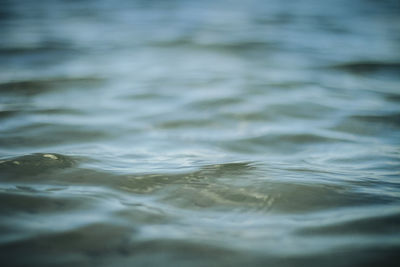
point(199, 133)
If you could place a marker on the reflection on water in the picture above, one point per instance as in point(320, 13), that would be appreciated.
point(211, 133)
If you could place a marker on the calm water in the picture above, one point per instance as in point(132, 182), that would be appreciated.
point(199, 133)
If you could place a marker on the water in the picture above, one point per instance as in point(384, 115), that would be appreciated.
point(199, 133)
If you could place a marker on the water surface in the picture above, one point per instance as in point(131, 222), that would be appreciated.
point(199, 133)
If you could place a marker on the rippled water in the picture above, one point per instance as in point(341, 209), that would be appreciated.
point(199, 133)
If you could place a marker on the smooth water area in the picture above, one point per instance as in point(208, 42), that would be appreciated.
point(199, 133)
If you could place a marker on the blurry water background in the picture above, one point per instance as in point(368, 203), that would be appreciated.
point(199, 133)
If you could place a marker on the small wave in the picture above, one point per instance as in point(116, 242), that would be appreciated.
point(34, 164)
point(281, 143)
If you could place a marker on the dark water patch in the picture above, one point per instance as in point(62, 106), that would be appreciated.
point(284, 85)
point(26, 199)
point(253, 115)
point(138, 184)
point(33, 56)
point(229, 168)
point(357, 224)
point(82, 245)
point(35, 87)
point(34, 164)
point(390, 118)
point(185, 253)
point(281, 19)
point(222, 46)
point(301, 138)
point(302, 198)
point(211, 188)
point(206, 176)
point(282, 142)
point(217, 187)
point(186, 124)
point(26, 87)
point(4, 114)
point(86, 247)
point(240, 45)
point(14, 111)
point(215, 102)
point(373, 255)
point(377, 69)
point(49, 47)
point(55, 111)
point(308, 110)
point(150, 96)
point(215, 196)
point(392, 97)
point(369, 124)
